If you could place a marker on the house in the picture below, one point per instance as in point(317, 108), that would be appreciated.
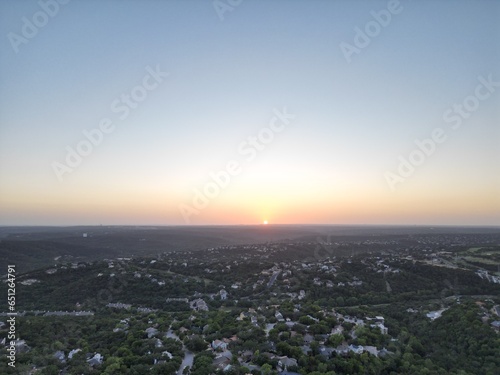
point(21, 346)
point(356, 349)
point(168, 354)
point(73, 352)
point(496, 325)
point(243, 315)
point(433, 315)
point(96, 360)
point(372, 350)
point(119, 305)
point(286, 362)
point(383, 352)
point(279, 316)
point(218, 344)
point(326, 351)
point(496, 310)
point(313, 318)
point(268, 355)
point(222, 360)
point(246, 355)
point(321, 338)
point(381, 326)
point(151, 332)
point(356, 321)
point(308, 338)
point(223, 295)
point(342, 349)
point(305, 349)
point(198, 305)
point(337, 330)
point(60, 356)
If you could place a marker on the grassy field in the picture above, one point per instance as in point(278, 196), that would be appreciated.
point(487, 257)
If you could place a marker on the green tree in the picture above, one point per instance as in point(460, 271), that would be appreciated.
point(266, 369)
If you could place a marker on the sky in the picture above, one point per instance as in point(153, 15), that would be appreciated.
point(233, 112)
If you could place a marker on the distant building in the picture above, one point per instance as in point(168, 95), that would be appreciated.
point(218, 344)
point(198, 305)
point(73, 352)
point(119, 305)
point(21, 346)
point(286, 362)
point(96, 360)
point(433, 315)
point(151, 332)
point(381, 326)
point(60, 356)
point(168, 354)
point(358, 349)
point(342, 349)
point(372, 350)
point(383, 352)
point(223, 295)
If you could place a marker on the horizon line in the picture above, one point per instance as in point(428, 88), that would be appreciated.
point(247, 225)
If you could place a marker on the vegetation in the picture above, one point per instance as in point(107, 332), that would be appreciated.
point(356, 314)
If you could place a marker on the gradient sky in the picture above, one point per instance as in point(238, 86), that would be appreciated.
point(353, 120)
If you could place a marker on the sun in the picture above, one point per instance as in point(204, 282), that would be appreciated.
point(265, 222)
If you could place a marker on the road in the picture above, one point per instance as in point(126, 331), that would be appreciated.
point(273, 279)
point(188, 356)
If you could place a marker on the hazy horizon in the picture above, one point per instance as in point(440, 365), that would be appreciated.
point(155, 226)
point(174, 113)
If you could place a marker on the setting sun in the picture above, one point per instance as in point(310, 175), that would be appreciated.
point(265, 222)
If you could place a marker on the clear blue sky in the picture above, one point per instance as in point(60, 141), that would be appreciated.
point(226, 77)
